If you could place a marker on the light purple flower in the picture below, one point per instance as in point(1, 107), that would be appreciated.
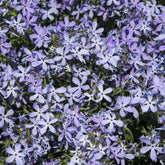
point(75, 115)
point(63, 55)
point(80, 85)
point(40, 111)
point(40, 37)
point(4, 118)
point(73, 96)
point(79, 53)
point(66, 24)
point(4, 46)
point(80, 72)
point(149, 104)
point(95, 32)
point(123, 103)
point(26, 8)
point(35, 86)
point(16, 24)
point(16, 155)
point(66, 132)
point(116, 2)
point(12, 89)
point(77, 12)
point(54, 6)
point(91, 9)
point(47, 123)
point(22, 73)
point(158, 85)
point(52, 92)
point(103, 12)
point(115, 153)
point(153, 147)
point(47, 14)
point(34, 125)
point(98, 121)
point(44, 62)
point(110, 120)
point(99, 152)
point(103, 94)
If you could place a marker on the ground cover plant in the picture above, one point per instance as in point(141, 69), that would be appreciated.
point(82, 82)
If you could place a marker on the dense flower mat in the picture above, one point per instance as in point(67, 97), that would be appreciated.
point(82, 82)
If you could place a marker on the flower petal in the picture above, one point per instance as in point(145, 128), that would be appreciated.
point(143, 150)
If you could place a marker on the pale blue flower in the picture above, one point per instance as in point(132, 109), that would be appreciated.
point(16, 155)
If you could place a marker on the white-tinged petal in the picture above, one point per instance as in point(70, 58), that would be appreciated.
point(9, 150)
point(10, 159)
point(143, 150)
point(19, 161)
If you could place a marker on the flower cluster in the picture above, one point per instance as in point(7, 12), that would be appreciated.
point(82, 82)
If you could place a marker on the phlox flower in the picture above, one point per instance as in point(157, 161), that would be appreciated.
point(47, 14)
point(17, 24)
point(80, 85)
point(149, 104)
point(158, 84)
point(39, 111)
point(77, 12)
point(40, 37)
point(4, 46)
point(4, 118)
point(22, 73)
point(123, 103)
point(110, 119)
point(115, 153)
point(54, 6)
point(12, 90)
point(153, 147)
point(47, 123)
point(116, 2)
point(16, 155)
point(63, 55)
point(75, 116)
point(103, 94)
point(91, 9)
point(26, 8)
point(66, 132)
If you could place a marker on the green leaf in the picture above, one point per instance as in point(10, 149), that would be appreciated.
point(116, 92)
point(95, 19)
point(25, 110)
point(128, 134)
point(3, 59)
point(44, 81)
point(104, 104)
point(82, 109)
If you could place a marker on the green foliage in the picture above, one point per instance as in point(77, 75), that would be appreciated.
point(128, 134)
point(4, 59)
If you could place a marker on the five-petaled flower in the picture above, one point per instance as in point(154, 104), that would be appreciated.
point(16, 155)
point(153, 147)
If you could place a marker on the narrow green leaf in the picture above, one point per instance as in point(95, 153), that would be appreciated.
point(128, 134)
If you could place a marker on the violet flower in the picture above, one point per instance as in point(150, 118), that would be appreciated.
point(66, 132)
point(123, 104)
point(40, 37)
point(12, 90)
point(4, 46)
point(75, 116)
point(104, 93)
point(26, 8)
point(47, 123)
point(153, 147)
point(4, 118)
point(16, 155)
point(115, 153)
point(149, 104)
